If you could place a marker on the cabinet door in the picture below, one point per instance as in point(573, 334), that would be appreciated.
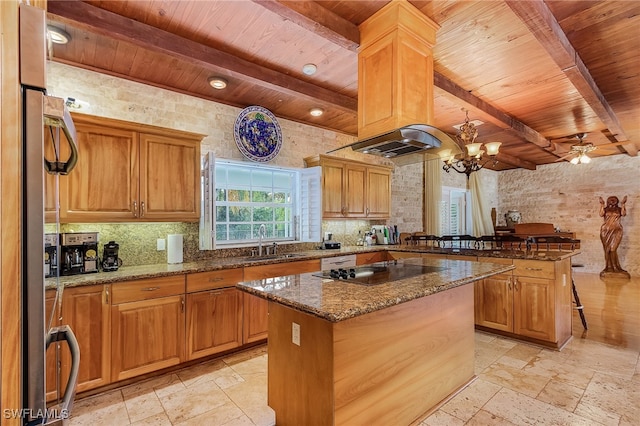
point(146, 336)
point(256, 318)
point(333, 187)
point(214, 322)
point(355, 191)
point(534, 308)
point(169, 178)
point(378, 194)
point(494, 302)
point(86, 311)
point(104, 184)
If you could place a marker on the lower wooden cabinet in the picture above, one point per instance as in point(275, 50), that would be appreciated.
point(214, 322)
point(147, 334)
point(494, 302)
point(256, 318)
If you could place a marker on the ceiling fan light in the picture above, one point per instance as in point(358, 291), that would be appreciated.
point(575, 160)
point(585, 159)
point(492, 147)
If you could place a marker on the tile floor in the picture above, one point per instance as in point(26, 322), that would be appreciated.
point(589, 382)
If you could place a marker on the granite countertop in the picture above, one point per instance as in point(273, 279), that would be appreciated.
point(340, 300)
point(126, 273)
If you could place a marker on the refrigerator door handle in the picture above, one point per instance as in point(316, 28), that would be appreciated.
point(61, 334)
point(56, 114)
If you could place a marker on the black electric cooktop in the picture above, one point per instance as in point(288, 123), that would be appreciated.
point(378, 273)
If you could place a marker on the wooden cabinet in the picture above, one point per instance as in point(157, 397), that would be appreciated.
point(86, 310)
point(255, 309)
point(148, 323)
point(532, 302)
point(351, 189)
point(214, 322)
point(129, 171)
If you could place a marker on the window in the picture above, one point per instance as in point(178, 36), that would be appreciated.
point(238, 198)
point(455, 211)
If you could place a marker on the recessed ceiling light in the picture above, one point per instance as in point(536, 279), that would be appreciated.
point(58, 35)
point(309, 69)
point(217, 82)
point(316, 112)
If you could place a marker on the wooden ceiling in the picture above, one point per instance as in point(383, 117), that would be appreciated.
point(535, 72)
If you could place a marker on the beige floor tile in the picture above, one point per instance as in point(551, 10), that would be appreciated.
point(257, 365)
point(561, 394)
point(604, 358)
point(193, 401)
point(220, 415)
point(566, 372)
point(468, 402)
point(143, 405)
point(484, 418)
point(240, 421)
point(515, 379)
point(607, 397)
point(441, 418)
point(156, 420)
point(524, 410)
point(524, 352)
point(105, 409)
point(245, 355)
point(211, 371)
point(161, 385)
point(251, 397)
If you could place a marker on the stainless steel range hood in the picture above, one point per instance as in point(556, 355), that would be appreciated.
point(407, 145)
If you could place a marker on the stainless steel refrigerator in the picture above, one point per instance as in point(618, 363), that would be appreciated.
point(40, 113)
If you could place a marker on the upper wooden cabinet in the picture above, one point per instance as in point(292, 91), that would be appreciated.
point(128, 171)
point(351, 189)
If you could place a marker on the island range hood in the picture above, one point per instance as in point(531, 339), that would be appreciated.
point(396, 87)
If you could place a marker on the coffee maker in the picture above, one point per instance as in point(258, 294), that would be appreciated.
point(50, 255)
point(78, 252)
point(110, 259)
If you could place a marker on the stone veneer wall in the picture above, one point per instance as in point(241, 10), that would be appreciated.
point(121, 99)
point(567, 196)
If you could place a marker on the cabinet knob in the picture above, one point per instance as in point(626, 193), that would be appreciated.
point(135, 208)
point(142, 209)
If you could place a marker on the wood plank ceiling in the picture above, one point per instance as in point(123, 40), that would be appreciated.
point(535, 72)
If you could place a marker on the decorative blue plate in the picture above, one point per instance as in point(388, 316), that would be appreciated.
point(257, 133)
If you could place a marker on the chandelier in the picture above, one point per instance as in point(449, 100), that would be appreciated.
point(472, 161)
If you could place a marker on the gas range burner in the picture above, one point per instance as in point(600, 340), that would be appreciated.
point(377, 273)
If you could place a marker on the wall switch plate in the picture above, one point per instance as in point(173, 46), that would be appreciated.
point(295, 333)
point(161, 244)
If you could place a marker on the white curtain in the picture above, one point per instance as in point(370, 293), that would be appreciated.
point(432, 196)
point(480, 211)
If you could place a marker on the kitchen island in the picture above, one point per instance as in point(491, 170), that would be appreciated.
point(380, 351)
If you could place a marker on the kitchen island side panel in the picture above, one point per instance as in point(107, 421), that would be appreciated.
point(393, 366)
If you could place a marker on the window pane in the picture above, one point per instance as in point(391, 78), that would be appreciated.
point(221, 214)
point(221, 232)
point(221, 194)
point(239, 195)
point(239, 232)
point(282, 230)
point(263, 214)
point(261, 177)
point(268, 228)
point(282, 180)
point(239, 214)
point(221, 176)
point(281, 197)
point(281, 214)
point(239, 176)
point(262, 197)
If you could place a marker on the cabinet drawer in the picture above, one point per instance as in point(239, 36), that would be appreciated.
point(366, 258)
point(213, 279)
point(152, 288)
point(534, 268)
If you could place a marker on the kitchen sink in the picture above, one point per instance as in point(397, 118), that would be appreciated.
point(275, 256)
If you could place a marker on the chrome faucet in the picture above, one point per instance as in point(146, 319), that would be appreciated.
point(261, 233)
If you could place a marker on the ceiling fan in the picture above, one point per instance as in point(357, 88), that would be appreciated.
point(580, 150)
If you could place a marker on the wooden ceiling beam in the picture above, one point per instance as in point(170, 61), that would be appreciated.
point(506, 121)
point(314, 18)
point(542, 24)
point(153, 39)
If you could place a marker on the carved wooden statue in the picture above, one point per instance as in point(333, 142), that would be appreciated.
point(611, 235)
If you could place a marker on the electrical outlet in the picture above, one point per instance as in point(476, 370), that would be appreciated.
point(295, 333)
point(161, 244)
